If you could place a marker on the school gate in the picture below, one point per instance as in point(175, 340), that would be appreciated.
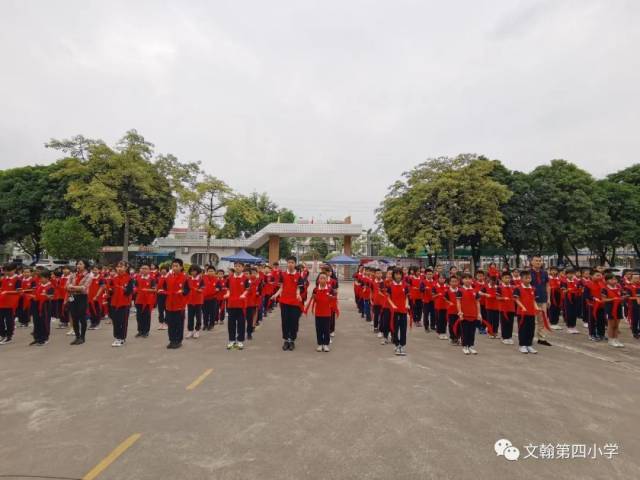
point(191, 246)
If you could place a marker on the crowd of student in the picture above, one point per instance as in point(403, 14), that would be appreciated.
point(458, 304)
point(455, 305)
point(202, 298)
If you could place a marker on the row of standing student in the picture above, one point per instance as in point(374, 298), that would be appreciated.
point(494, 304)
point(246, 294)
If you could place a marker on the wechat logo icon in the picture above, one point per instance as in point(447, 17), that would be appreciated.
point(504, 448)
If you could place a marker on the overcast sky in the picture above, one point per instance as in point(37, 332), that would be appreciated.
point(323, 104)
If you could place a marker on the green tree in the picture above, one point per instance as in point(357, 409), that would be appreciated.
point(69, 239)
point(120, 193)
point(28, 197)
point(630, 178)
point(206, 203)
point(564, 199)
point(443, 203)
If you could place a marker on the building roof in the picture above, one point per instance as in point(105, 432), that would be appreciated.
point(273, 229)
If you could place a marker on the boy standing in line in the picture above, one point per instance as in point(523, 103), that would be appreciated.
point(177, 288)
point(290, 296)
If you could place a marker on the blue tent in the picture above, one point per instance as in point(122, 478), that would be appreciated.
point(244, 257)
point(344, 260)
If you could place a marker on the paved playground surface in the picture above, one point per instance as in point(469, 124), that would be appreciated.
point(358, 412)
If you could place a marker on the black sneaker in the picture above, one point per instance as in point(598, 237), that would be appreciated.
point(177, 345)
point(138, 334)
point(75, 342)
point(170, 345)
point(35, 342)
point(249, 336)
point(285, 345)
point(144, 335)
point(292, 345)
point(544, 342)
point(41, 344)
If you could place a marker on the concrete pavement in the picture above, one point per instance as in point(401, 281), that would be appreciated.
point(357, 412)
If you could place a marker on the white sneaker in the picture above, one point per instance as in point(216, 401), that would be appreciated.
point(239, 345)
point(507, 341)
point(403, 352)
point(397, 350)
point(230, 345)
point(531, 350)
point(473, 351)
point(333, 334)
point(556, 327)
point(466, 350)
point(326, 348)
point(619, 343)
point(117, 343)
point(585, 324)
point(384, 341)
point(572, 331)
point(189, 334)
point(196, 334)
point(379, 334)
point(2, 339)
point(5, 341)
point(443, 336)
point(614, 342)
point(71, 332)
point(320, 348)
point(523, 350)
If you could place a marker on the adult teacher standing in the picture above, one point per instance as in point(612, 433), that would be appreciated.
point(78, 287)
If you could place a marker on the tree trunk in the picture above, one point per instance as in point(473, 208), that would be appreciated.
point(125, 239)
point(612, 263)
point(560, 248)
point(451, 248)
point(636, 247)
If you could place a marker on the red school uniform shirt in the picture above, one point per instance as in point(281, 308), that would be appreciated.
point(451, 296)
point(379, 293)
point(121, 287)
point(146, 299)
point(613, 309)
point(572, 288)
point(177, 288)
point(209, 291)
point(427, 294)
point(415, 287)
point(8, 288)
point(478, 287)
point(506, 302)
point(324, 299)
point(60, 292)
point(527, 296)
point(221, 289)
point(491, 301)
point(254, 293)
point(94, 287)
point(292, 283)
point(439, 292)
point(42, 295)
point(398, 294)
point(196, 287)
point(237, 285)
point(469, 298)
point(30, 283)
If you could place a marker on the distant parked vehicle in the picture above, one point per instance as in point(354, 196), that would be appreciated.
point(52, 264)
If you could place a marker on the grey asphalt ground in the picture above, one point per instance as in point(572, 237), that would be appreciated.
point(357, 412)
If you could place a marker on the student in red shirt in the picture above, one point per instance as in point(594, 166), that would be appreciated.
point(177, 288)
point(597, 313)
point(438, 292)
point(525, 297)
point(221, 288)
point(60, 297)
point(161, 298)
point(633, 304)
point(378, 299)
point(324, 300)
point(121, 291)
point(416, 288)
point(385, 314)
point(10, 286)
point(398, 293)
point(29, 284)
point(612, 299)
point(290, 297)
point(490, 294)
point(237, 285)
point(469, 313)
point(507, 307)
point(77, 299)
point(451, 300)
point(428, 306)
point(253, 300)
point(572, 297)
point(195, 300)
point(209, 292)
point(94, 297)
point(145, 290)
point(41, 308)
point(479, 284)
point(555, 298)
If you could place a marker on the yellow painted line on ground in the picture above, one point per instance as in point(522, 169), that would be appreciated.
point(112, 457)
point(200, 379)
